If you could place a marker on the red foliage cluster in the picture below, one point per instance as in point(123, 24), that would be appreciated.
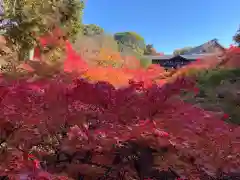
point(147, 75)
point(49, 127)
point(228, 59)
point(231, 59)
point(42, 118)
point(73, 62)
point(92, 117)
point(116, 76)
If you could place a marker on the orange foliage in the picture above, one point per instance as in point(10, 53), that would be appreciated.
point(107, 57)
point(148, 76)
point(143, 74)
point(114, 76)
point(129, 66)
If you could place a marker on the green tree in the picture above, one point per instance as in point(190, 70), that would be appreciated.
point(181, 51)
point(236, 37)
point(33, 18)
point(132, 40)
point(92, 29)
point(148, 49)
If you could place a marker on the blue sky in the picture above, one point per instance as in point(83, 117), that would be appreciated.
point(168, 24)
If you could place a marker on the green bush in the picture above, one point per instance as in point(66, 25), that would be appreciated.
point(144, 62)
point(132, 40)
point(218, 91)
point(215, 76)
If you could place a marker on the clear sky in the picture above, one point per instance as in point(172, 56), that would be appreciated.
point(168, 24)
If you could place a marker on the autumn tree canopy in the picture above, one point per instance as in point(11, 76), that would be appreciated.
point(31, 19)
point(92, 29)
point(150, 50)
point(236, 38)
point(132, 40)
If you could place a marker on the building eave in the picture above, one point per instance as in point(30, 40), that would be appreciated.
point(187, 57)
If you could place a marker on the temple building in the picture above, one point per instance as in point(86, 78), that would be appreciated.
point(211, 48)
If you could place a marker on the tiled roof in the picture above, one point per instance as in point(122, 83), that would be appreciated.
point(160, 57)
point(208, 47)
point(188, 57)
point(204, 50)
point(197, 56)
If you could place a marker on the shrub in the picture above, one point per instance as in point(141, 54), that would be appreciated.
point(92, 29)
point(132, 40)
point(98, 50)
point(62, 127)
point(215, 76)
point(32, 19)
point(49, 116)
point(218, 92)
point(127, 51)
point(144, 62)
point(54, 126)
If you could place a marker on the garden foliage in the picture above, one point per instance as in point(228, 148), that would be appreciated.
point(56, 118)
point(62, 118)
point(236, 37)
point(31, 19)
point(92, 29)
point(132, 40)
point(219, 92)
point(66, 127)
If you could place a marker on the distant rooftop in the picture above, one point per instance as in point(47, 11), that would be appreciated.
point(159, 57)
point(208, 47)
point(191, 56)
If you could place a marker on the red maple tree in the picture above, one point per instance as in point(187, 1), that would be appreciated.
point(65, 127)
